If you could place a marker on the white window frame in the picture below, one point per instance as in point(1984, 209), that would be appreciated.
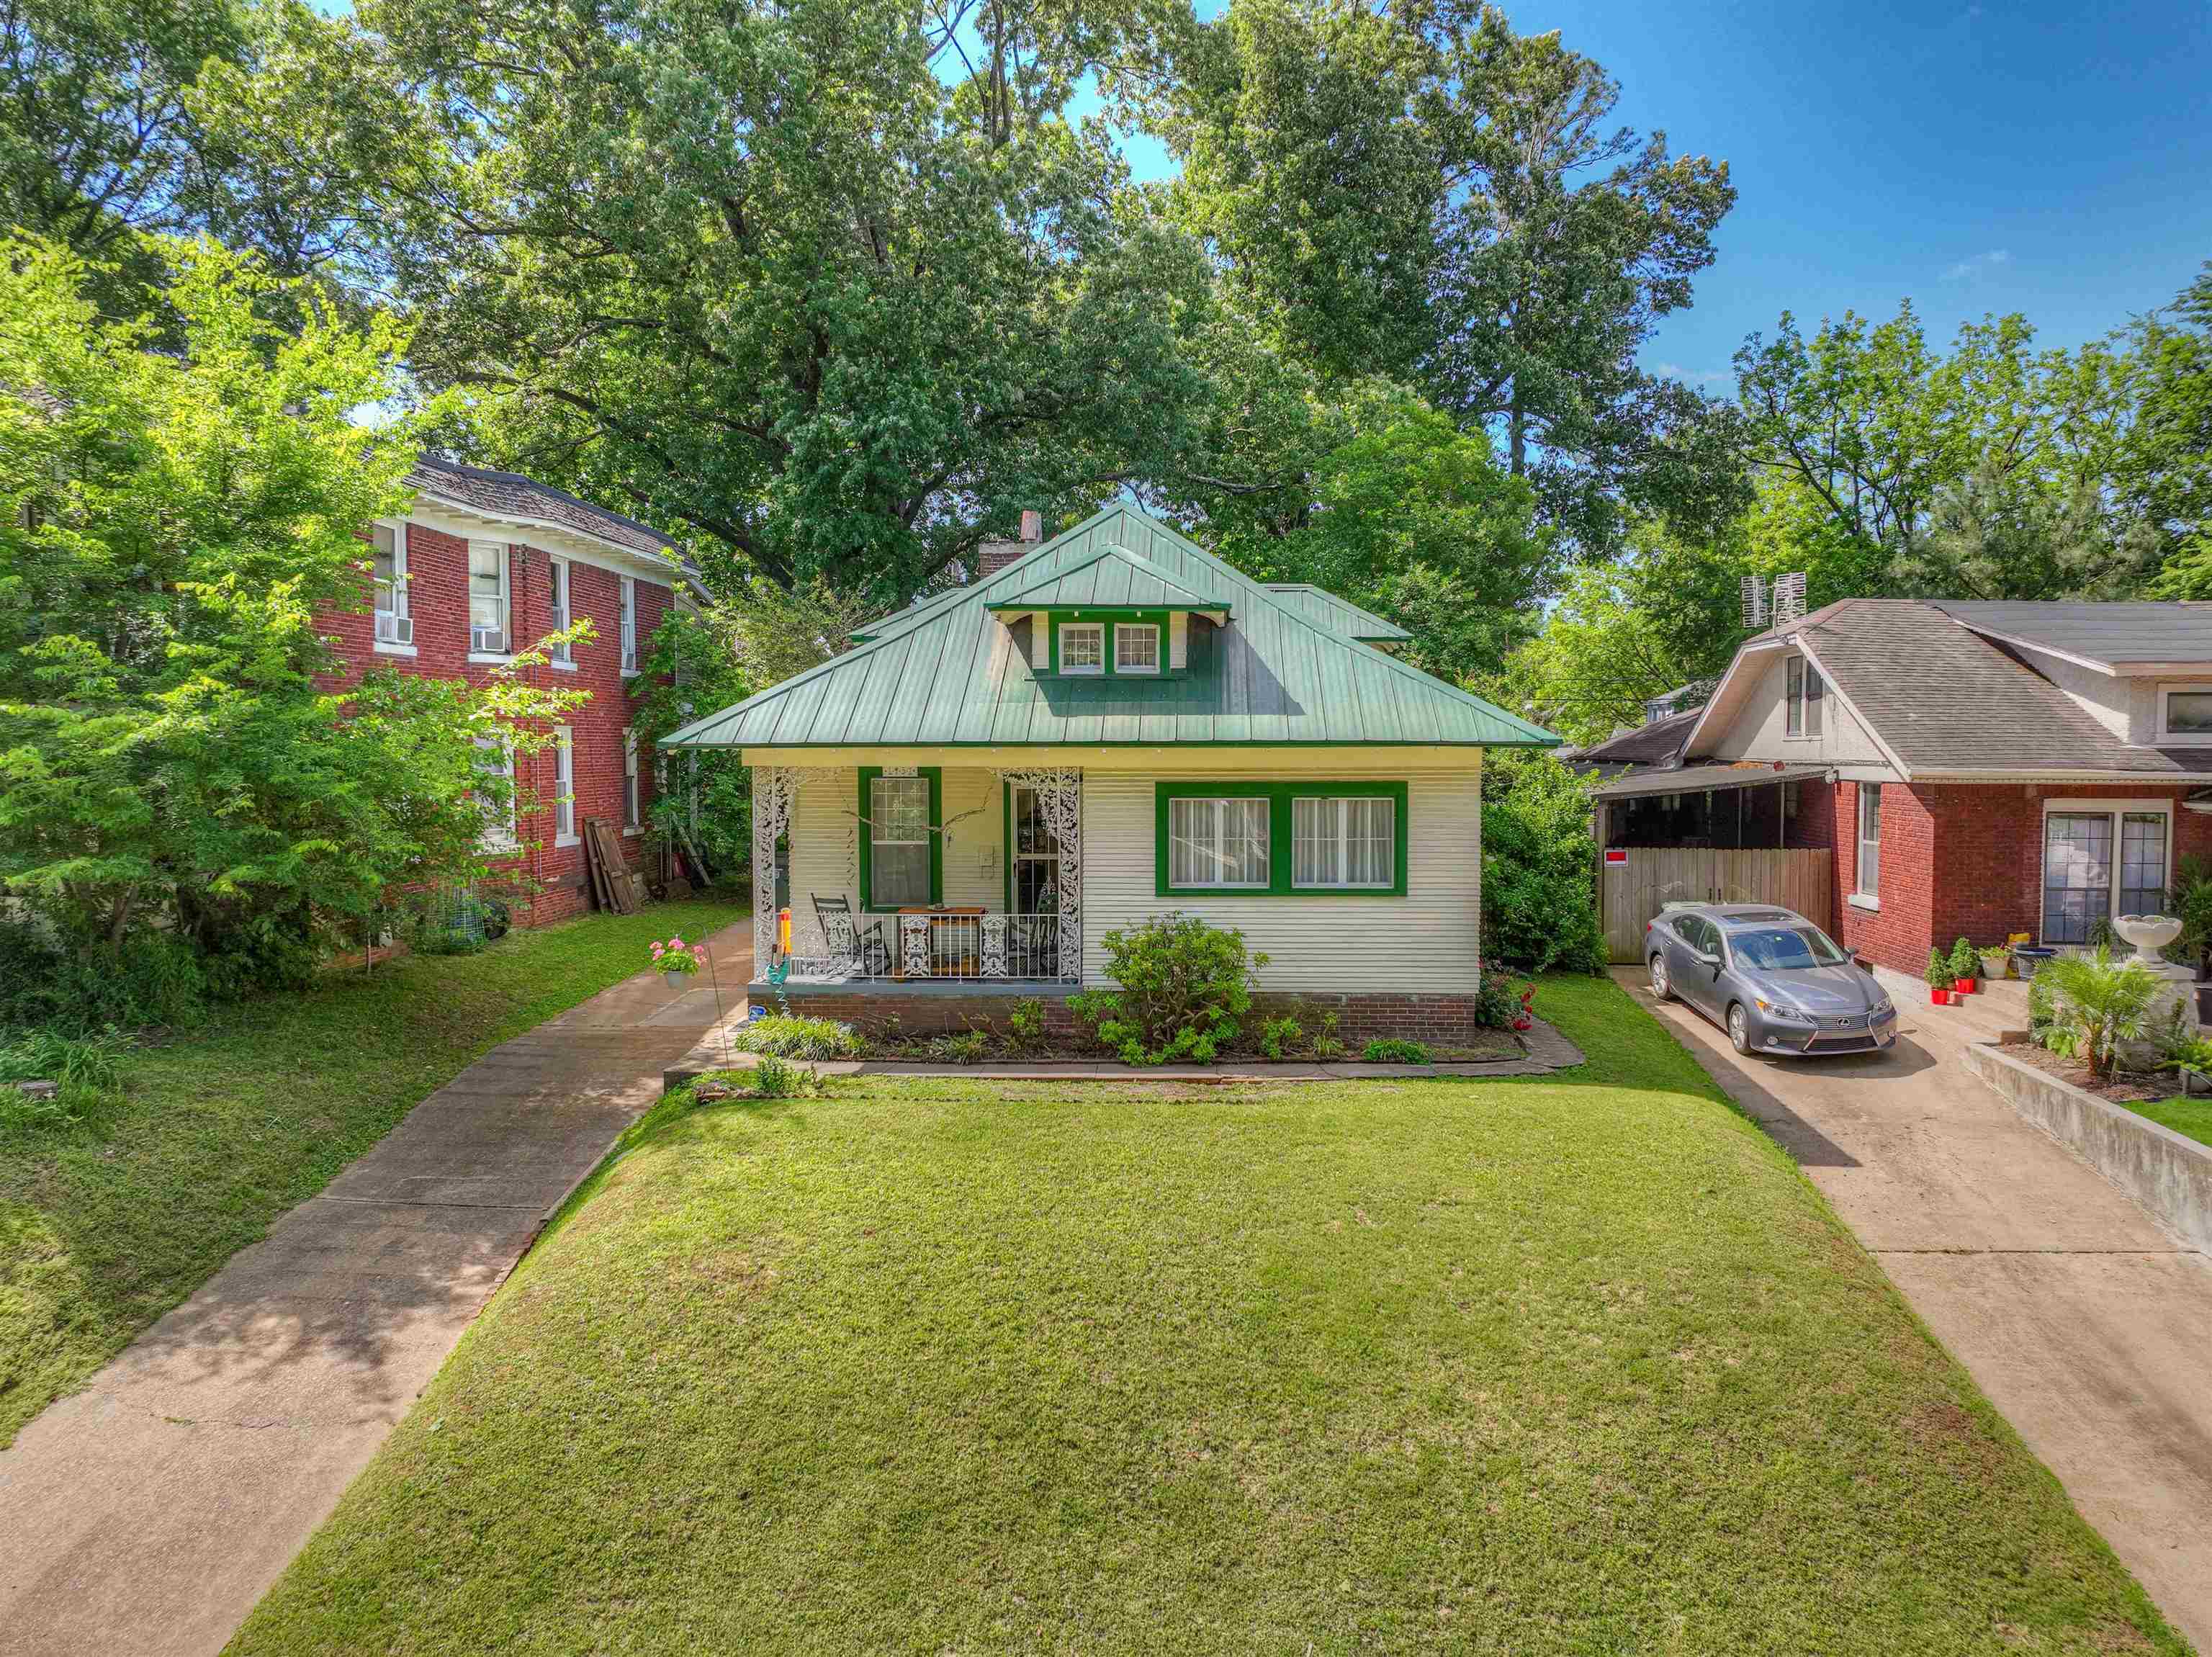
point(1097, 631)
point(501, 836)
point(1803, 692)
point(1218, 802)
point(1126, 628)
point(880, 822)
point(2167, 736)
point(629, 626)
point(2119, 811)
point(560, 601)
point(1343, 803)
point(564, 786)
point(633, 806)
point(506, 602)
point(1865, 893)
point(401, 624)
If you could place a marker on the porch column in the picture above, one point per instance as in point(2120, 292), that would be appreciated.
point(776, 793)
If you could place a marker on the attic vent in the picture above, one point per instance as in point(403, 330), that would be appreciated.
point(1775, 603)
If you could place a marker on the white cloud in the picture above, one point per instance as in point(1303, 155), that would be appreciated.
point(1708, 377)
point(1977, 265)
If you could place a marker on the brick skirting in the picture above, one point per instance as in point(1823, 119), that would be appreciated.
point(1442, 1020)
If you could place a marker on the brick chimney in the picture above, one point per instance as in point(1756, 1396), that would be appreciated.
point(997, 555)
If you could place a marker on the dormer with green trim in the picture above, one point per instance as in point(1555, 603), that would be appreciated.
point(1112, 616)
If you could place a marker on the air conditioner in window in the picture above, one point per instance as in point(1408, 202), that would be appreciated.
point(394, 630)
point(490, 641)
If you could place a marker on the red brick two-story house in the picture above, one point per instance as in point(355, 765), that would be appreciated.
point(1970, 768)
point(486, 563)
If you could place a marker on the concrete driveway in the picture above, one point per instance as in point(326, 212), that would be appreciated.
point(2081, 1318)
point(149, 1513)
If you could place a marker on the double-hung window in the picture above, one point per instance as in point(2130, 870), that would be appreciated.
point(495, 800)
point(1220, 843)
point(564, 786)
point(1082, 646)
point(632, 813)
point(1136, 647)
point(901, 867)
point(2101, 861)
point(556, 592)
point(395, 631)
point(1344, 843)
point(1870, 841)
point(1802, 693)
point(487, 630)
point(629, 625)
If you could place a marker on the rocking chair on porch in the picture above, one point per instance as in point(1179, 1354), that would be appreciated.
point(849, 941)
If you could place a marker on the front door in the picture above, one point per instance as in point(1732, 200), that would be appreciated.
point(1032, 889)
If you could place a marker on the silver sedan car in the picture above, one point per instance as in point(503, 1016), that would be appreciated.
point(1770, 977)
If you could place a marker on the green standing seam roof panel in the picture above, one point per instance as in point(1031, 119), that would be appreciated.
point(1289, 668)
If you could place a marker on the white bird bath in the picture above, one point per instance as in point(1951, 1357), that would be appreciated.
point(2148, 932)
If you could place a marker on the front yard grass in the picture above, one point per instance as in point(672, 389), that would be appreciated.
point(1573, 1365)
point(2191, 1117)
point(107, 1224)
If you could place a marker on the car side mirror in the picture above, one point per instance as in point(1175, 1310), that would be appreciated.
point(1709, 960)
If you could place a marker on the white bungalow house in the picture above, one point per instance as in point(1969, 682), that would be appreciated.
point(1111, 725)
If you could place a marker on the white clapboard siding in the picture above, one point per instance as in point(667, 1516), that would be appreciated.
point(1427, 941)
point(825, 840)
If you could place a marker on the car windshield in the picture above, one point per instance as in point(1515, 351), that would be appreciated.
point(1784, 948)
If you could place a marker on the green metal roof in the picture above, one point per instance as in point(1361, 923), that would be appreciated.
point(1110, 579)
point(950, 673)
point(1324, 609)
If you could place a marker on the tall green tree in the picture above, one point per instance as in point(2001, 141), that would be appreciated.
point(2168, 466)
point(1416, 191)
point(175, 761)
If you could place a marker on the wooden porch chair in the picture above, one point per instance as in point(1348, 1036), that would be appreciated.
point(848, 940)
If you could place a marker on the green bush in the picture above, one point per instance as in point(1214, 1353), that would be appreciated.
point(1395, 1050)
point(1940, 974)
point(1538, 896)
point(1500, 1000)
point(1965, 962)
point(792, 1037)
point(2190, 901)
point(2097, 1004)
point(967, 1047)
point(1185, 989)
point(86, 1062)
point(1025, 1025)
point(1280, 1037)
point(774, 1079)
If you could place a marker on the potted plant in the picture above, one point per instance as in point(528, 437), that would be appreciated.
point(1939, 978)
point(1965, 963)
point(1996, 960)
point(678, 961)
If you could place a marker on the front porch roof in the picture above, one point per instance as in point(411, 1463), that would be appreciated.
point(1698, 779)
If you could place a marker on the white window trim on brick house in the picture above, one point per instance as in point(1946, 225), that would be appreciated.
point(561, 597)
point(1863, 896)
point(505, 629)
point(629, 626)
point(402, 626)
point(633, 806)
point(500, 831)
point(2118, 810)
point(564, 787)
point(2167, 736)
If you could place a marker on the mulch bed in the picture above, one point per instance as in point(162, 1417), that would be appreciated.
point(1490, 1046)
point(2125, 1088)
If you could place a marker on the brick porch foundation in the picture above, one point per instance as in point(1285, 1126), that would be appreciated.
point(939, 1009)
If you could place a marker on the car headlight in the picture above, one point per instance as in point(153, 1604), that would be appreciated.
point(1782, 1010)
point(1882, 1005)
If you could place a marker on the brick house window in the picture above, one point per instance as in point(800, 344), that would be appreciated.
point(395, 631)
point(2098, 863)
point(564, 786)
point(495, 764)
point(556, 592)
point(1803, 694)
point(629, 625)
point(1869, 858)
point(488, 598)
point(631, 815)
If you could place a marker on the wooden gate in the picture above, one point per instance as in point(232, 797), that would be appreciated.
point(1630, 892)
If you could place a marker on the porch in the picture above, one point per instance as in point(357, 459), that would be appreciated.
point(918, 878)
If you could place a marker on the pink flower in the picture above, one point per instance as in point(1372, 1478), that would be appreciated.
point(656, 952)
point(675, 943)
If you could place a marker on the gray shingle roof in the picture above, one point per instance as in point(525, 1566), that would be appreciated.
point(511, 494)
point(950, 673)
point(1658, 742)
point(1696, 779)
point(1944, 698)
point(2107, 633)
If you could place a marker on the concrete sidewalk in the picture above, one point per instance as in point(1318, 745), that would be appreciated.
point(149, 1513)
point(2078, 1316)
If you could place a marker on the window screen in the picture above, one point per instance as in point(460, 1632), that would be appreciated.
point(1346, 842)
point(1136, 649)
point(899, 842)
point(1083, 649)
point(1218, 843)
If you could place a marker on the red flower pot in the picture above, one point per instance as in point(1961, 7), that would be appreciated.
point(1966, 987)
point(1938, 997)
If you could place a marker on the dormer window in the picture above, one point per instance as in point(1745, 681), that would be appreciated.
point(1082, 646)
point(1136, 647)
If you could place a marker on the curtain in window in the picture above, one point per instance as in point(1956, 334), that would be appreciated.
point(1220, 843)
point(2142, 864)
point(2077, 874)
point(487, 594)
point(1343, 842)
point(1870, 863)
point(899, 842)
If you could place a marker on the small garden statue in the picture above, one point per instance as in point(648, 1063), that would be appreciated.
point(678, 960)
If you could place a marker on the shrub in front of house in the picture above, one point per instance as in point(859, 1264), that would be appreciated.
point(787, 1035)
point(1538, 896)
point(1186, 989)
point(1392, 1050)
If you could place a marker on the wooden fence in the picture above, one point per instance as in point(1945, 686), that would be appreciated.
point(1631, 893)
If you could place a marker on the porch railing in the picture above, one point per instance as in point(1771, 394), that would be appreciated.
point(1038, 948)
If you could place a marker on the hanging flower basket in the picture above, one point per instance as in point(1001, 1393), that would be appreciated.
point(678, 962)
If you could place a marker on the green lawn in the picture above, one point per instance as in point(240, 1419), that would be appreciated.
point(2193, 1116)
point(106, 1225)
point(1579, 1365)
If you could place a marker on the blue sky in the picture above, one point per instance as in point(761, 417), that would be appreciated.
point(2054, 160)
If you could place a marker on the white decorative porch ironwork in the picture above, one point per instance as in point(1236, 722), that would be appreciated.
point(827, 941)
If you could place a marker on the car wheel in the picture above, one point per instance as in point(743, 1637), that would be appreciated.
point(1660, 987)
point(1739, 1026)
